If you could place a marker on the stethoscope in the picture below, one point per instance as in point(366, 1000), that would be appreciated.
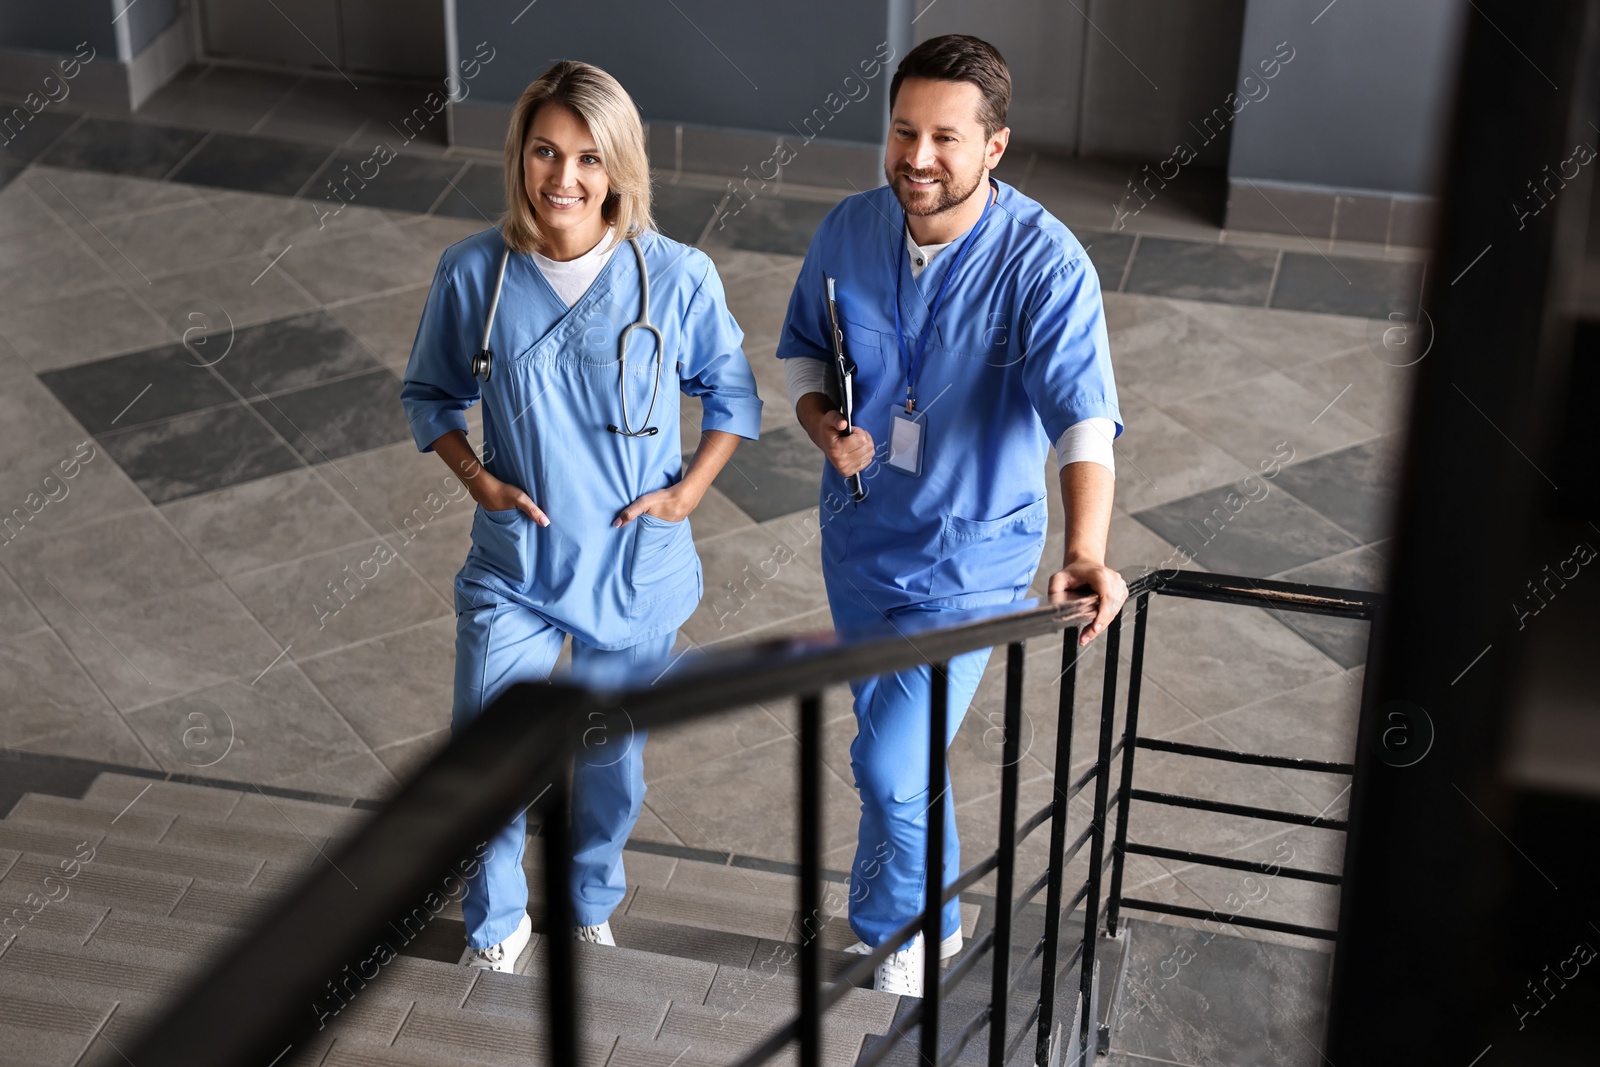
point(483, 361)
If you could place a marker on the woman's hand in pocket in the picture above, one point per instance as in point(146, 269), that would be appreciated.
point(494, 495)
point(672, 504)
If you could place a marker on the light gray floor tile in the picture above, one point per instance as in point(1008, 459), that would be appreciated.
point(167, 645)
point(717, 515)
point(33, 479)
point(317, 604)
point(272, 223)
point(1376, 392)
point(101, 196)
point(22, 214)
point(398, 488)
point(434, 233)
point(752, 579)
point(51, 265)
point(385, 324)
point(1215, 657)
point(1127, 310)
point(372, 260)
point(17, 616)
point(60, 333)
point(361, 775)
point(46, 691)
point(675, 749)
point(107, 564)
point(744, 803)
point(1281, 339)
point(734, 263)
point(235, 292)
point(1177, 356)
point(394, 689)
point(438, 550)
point(1248, 419)
point(1159, 459)
point(270, 520)
point(167, 241)
point(405, 758)
point(104, 738)
point(279, 727)
point(758, 302)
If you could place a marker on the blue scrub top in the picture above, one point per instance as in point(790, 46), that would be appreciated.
point(1018, 354)
point(549, 398)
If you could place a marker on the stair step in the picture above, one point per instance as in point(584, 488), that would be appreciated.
point(484, 1038)
point(94, 883)
point(38, 1026)
point(222, 804)
point(776, 995)
point(63, 815)
point(697, 1023)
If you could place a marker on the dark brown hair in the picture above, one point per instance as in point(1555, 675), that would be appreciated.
point(957, 57)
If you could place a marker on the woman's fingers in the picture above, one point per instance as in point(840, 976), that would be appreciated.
point(525, 502)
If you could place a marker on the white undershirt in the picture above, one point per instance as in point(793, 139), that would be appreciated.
point(572, 278)
point(1086, 441)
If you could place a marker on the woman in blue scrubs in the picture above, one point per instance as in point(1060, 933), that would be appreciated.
point(583, 497)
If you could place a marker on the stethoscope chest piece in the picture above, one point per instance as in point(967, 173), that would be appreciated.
point(482, 364)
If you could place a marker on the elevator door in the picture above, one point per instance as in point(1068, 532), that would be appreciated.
point(398, 38)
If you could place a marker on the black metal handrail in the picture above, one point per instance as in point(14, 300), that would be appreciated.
point(516, 756)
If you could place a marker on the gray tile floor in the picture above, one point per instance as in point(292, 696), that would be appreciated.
point(167, 604)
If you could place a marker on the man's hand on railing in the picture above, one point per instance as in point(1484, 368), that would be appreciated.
point(1104, 582)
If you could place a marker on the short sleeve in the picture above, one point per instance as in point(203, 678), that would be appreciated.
point(439, 386)
point(712, 363)
point(1067, 356)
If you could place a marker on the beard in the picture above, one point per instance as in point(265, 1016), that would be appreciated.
point(946, 194)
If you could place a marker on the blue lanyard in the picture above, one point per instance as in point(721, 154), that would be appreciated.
point(914, 364)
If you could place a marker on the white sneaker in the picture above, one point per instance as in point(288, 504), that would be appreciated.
point(501, 957)
point(595, 935)
point(949, 948)
point(901, 973)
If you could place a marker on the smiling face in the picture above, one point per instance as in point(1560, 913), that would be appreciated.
point(937, 152)
point(565, 178)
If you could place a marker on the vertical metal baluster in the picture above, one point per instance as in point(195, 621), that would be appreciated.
point(1130, 734)
point(933, 880)
point(1058, 845)
point(558, 917)
point(1097, 840)
point(810, 880)
point(1005, 873)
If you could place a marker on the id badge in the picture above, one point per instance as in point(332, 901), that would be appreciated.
point(905, 441)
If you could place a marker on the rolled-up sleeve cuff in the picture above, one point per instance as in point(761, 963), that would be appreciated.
point(431, 423)
point(1075, 410)
point(739, 415)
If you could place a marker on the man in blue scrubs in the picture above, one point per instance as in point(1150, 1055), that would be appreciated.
point(975, 321)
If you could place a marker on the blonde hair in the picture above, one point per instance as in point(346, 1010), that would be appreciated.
point(605, 106)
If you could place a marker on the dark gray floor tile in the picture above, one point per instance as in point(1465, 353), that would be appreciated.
point(325, 422)
point(223, 98)
point(777, 475)
point(682, 212)
point(142, 387)
point(478, 194)
point(776, 224)
point(1340, 285)
point(195, 453)
point(252, 164)
point(25, 146)
point(404, 183)
point(1109, 254)
point(116, 146)
point(1255, 539)
point(293, 353)
point(1192, 270)
point(1355, 487)
point(1344, 640)
point(1236, 1000)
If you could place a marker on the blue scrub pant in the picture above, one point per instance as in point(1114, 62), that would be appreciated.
point(500, 643)
point(890, 760)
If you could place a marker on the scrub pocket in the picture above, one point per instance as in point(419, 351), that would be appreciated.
point(500, 540)
point(983, 554)
point(664, 563)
